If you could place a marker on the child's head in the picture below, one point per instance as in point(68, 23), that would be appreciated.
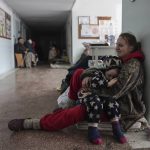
point(111, 73)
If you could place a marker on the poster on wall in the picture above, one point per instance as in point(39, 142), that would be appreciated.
point(2, 23)
point(90, 31)
point(8, 25)
point(93, 20)
point(107, 31)
point(84, 19)
point(5, 24)
point(88, 27)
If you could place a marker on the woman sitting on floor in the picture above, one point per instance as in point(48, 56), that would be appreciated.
point(128, 92)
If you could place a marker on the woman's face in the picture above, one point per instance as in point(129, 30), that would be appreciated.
point(123, 48)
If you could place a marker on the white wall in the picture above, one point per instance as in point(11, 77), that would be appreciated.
point(16, 27)
point(136, 19)
point(7, 45)
point(92, 8)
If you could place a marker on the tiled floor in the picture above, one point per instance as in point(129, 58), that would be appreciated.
point(32, 93)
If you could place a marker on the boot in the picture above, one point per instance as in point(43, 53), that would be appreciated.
point(117, 132)
point(94, 135)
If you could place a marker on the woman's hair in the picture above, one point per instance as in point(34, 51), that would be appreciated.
point(19, 38)
point(131, 39)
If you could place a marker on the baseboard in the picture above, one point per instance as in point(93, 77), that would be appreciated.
point(2, 76)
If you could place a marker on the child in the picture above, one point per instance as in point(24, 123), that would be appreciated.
point(96, 103)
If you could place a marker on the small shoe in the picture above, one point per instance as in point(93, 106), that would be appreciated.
point(123, 140)
point(117, 132)
point(94, 136)
point(16, 124)
point(97, 141)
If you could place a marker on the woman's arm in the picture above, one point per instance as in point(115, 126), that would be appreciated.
point(131, 76)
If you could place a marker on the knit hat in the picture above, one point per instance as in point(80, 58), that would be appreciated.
point(103, 63)
point(109, 62)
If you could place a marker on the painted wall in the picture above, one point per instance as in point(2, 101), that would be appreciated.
point(92, 8)
point(136, 19)
point(7, 45)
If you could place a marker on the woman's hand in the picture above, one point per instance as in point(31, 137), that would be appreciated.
point(112, 82)
point(86, 82)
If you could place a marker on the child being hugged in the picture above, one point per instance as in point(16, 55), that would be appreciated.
point(97, 103)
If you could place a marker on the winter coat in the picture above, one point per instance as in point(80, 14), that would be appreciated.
point(128, 91)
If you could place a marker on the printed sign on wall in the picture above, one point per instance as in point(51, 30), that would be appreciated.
point(5, 24)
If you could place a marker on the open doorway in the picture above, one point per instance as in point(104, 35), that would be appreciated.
point(45, 40)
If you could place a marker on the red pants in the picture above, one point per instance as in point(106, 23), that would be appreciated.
point(64, 118)
point(67, 117)
point(75, 84)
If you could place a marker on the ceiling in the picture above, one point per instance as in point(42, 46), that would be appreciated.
point(42, 14)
